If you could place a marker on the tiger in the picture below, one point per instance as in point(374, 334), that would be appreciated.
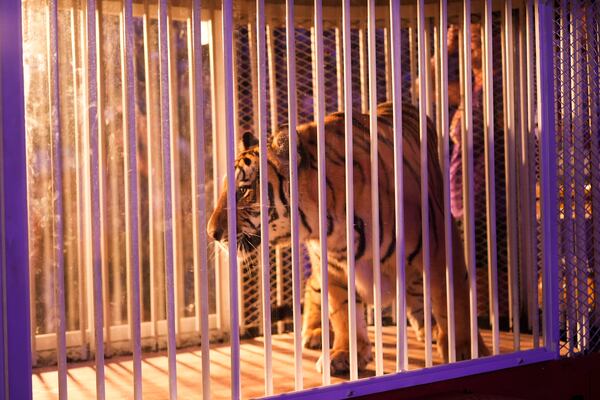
point(248, 236)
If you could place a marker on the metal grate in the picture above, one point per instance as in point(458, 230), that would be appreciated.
point(577, 59)
point(246, 92)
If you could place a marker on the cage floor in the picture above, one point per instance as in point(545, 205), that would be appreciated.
point(82, 382)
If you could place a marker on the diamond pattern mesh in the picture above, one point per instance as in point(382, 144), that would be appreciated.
point(251, 319)
point(577, 58)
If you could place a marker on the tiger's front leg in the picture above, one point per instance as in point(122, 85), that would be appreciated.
point(338, 314)
point(311, 316)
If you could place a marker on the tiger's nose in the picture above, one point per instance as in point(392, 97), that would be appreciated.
point(216, 233)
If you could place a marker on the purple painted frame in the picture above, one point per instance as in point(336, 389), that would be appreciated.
point(15, 370)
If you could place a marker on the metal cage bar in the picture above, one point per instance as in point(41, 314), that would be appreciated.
point(264, 199)
point(102, 183)
point(173, 210)
point(131, 195)
point(198, 156)
point(14, 274)
point(527, 223)
point(396, 76)
point(530, 138)
point(467, 173)
point(294, 215)
point(57, 209)
point(77, 38)
point(349, 165)
point(423, 108)
point(149, 66)
point(490, 175)
point(322, 184)
point(445, 144)
point(95, 156)
point(548, 196)
point(510, 170)
point(231, 200)
point(372, 71)
point(166, 136)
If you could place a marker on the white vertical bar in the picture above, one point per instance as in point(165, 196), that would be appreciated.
point(445, 134)
point(231, 201)
point(364, 90)
point(320, 121)
point(149, 65)
point(375, 188)
point(77, 40)
point(16, 372)
point(93, 115)
point(510, 170)
point(530, 137)
point(113, 210)
point(396, 75)
point(348, 147)
point(198, 157)
point(545, 97)
point(131, 194)
point(218, 164)
point(294, 223)
point(467, 175)
point(264, 198)
point(175, 166)
point(490, 176)
point(423, 100)
point(102, 184)
point(57, 171)
point(527, 223)
point(87, 179)
point(272, 80)
point(165, 89)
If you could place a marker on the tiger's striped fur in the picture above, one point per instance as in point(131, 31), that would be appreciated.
point(248, 225)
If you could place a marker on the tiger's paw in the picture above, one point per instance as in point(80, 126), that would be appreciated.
point(311, 339)
point(463, 351)
point(340, 361)
point(420, 333)
point(339, 364)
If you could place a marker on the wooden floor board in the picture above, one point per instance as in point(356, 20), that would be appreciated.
point(81, 376)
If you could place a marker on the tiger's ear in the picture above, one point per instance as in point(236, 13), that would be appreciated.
point(247, 141)
point(280, 144)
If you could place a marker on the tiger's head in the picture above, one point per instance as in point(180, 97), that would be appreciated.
point(247, 193)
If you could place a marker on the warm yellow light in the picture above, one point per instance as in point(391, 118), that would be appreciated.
point(205, 32)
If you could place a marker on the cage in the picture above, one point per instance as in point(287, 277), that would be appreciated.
point(124, 123)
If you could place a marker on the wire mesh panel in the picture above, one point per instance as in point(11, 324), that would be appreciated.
point(577, 52)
